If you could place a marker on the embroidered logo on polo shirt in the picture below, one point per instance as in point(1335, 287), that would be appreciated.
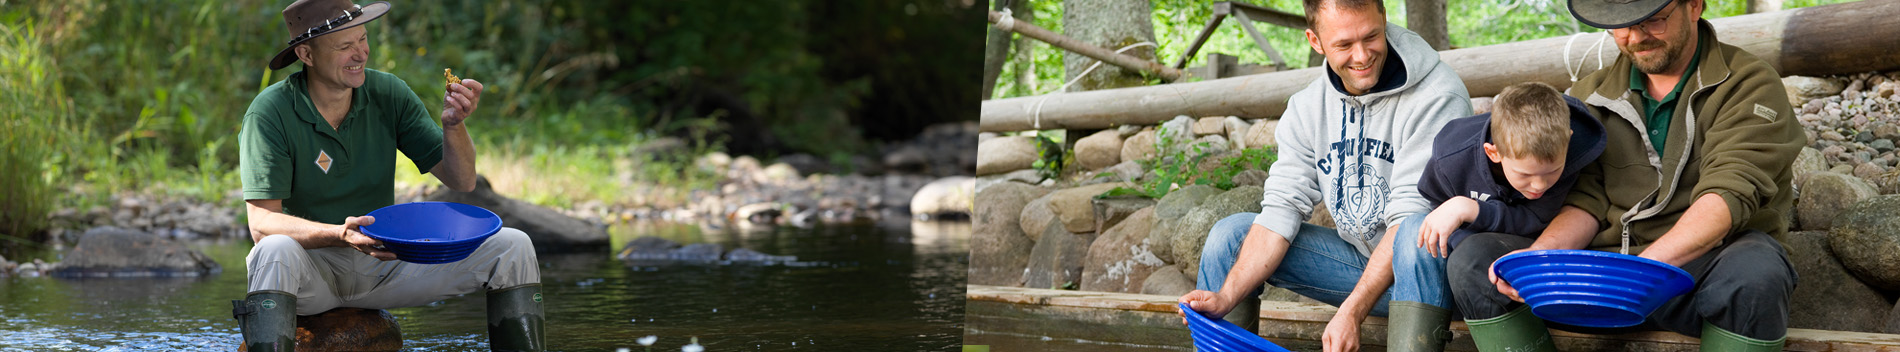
point(323, 161)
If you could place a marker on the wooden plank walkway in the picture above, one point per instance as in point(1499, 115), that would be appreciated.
point(1152, 320)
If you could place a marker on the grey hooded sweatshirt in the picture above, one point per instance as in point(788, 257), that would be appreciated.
point(1362, 155)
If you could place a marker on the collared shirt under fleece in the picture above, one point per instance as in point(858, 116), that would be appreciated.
point(1362, 155)
point(288, 151)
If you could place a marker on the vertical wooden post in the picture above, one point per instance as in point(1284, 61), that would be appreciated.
point(1427, 18)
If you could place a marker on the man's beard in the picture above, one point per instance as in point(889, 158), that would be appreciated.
point(1661, 62)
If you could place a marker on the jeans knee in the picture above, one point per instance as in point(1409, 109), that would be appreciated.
point(1224, 239)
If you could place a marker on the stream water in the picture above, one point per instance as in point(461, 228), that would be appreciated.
point(891, 287)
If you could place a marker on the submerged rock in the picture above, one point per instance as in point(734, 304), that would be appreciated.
point(550, 230)
point(116, 252)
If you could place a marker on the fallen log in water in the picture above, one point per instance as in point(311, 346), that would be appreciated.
point(1823, 40)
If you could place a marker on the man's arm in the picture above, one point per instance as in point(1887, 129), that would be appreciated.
point(1700, 229)
point(457, 169)
point(1342, 333)
point(267, 218)
point(1260, 255)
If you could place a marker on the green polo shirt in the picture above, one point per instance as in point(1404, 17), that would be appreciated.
point(324, 174)
point(1657, 114)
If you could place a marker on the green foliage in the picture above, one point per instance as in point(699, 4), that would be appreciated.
point(1175, 168)
point(28, 147)
point(1051, 158)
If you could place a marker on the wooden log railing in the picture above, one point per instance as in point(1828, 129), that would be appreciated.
point(1823, 40)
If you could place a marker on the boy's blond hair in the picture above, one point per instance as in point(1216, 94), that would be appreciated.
point(1531, 120)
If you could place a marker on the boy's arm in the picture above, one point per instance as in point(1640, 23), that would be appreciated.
point(1527, 219)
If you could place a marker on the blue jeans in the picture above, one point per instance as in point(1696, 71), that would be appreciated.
point(1322, 266)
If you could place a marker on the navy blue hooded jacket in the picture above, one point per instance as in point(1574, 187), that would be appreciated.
point(1460, 168)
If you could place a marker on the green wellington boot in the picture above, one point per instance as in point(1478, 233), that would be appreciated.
point(1246, 314)
point(515, 318)
point(268, 320)
point(1514, 331)
point(1716, 339)
point(1414, 326)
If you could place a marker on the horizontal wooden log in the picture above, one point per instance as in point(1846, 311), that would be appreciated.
point(1823, 40)
point(1108, 56)
point(1151, 320)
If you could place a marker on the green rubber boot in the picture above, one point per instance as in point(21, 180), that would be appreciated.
point(268, 320)
point(1514, 331)
point(1414, 326)
point(1716, 339)
point(515, 318)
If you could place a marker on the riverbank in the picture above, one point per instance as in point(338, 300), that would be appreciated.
point(661, 179)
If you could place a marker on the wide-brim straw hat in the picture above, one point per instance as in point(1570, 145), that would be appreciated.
point(309, 19)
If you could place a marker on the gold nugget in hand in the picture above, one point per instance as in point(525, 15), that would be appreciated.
point(450, 77)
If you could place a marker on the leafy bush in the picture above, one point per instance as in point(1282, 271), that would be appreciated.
point(1176, 168)
point(29, 132)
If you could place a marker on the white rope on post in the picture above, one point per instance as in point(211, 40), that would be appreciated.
point(1597, 47)
point(1008, 23)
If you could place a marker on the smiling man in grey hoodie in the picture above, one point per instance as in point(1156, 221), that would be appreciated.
point(1358, 140)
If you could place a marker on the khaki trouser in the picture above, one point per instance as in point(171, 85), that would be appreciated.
point(327, 278)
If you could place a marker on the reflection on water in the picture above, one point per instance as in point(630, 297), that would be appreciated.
point(884, 288)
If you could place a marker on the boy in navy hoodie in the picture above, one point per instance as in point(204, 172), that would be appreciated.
point(1496, 172)
point(1506, 174)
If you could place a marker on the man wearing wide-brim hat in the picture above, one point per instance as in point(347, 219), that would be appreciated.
point(318, 152)
point(1701, 137)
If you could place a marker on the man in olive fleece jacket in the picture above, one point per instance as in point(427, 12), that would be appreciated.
point(1701, 139)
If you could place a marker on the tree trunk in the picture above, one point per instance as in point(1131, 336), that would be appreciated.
point(1427, 18)
point(1110, 24)
point(1025, 50)
point(996, 47)
point(1760, 6)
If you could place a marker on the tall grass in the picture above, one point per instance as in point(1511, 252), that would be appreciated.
point(28, 159)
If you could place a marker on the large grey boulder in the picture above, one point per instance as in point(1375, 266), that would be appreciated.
point(115, 252)
point(1075, 206)
point(999, 250)
point(550, 230)
point(946, 197)
point(1825, 194)
point(1099, 150)
point(1057, 259)
point(1192, 232)
point(1005, 154)
point(1828, 298)
point(1119, 260)
point(1168, 213)
point(1167, 281)
point(1241, 199)
point(1036, 216)
point(1194, 228)
point(1864, 238)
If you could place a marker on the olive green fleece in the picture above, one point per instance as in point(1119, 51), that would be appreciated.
point(1738, 131)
